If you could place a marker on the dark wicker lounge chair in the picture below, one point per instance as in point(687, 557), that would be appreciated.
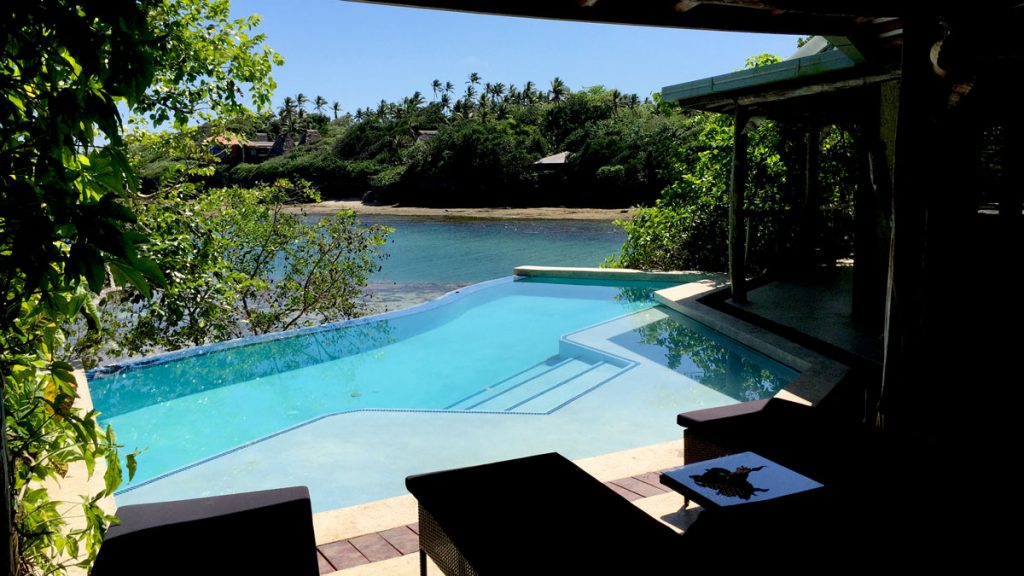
point(265, 532)
point(544, 515)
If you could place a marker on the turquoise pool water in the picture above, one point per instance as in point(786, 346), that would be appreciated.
point(189, 407)
point(501, 369)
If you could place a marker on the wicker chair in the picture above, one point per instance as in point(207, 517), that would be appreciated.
point(536, 515)
point(265, 532)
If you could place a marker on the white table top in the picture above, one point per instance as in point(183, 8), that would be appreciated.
point(771, 481)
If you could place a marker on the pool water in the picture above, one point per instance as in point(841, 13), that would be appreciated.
point(525, 347)
point(198, 405)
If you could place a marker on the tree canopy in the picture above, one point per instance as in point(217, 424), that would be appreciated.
point(66, 67)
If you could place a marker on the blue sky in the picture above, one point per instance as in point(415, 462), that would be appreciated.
point(359, 53)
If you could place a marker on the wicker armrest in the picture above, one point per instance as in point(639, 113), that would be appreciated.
point(693, 417)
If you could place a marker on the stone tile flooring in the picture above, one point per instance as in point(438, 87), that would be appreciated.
point(404, 540)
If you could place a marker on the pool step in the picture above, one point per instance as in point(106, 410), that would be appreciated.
point(568, 390)
point(537, 370)
point(540, 388)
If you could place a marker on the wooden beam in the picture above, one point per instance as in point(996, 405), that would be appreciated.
point(737, 192)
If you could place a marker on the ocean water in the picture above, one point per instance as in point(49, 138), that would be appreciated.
point(431, 256)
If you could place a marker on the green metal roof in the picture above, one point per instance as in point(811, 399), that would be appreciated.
point(762, 76)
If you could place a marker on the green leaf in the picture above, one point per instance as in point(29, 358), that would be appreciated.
point(151, 270)
point(16, 101)
point(124, 274)
point(131, 461)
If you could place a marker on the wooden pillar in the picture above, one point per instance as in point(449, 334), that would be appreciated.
point(905, 291)
point(1012, 188)
point(810, 232)
point(737, 192)
point(871, 221)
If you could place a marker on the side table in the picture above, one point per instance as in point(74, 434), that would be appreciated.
point(736, 479)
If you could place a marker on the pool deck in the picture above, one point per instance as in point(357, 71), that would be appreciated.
point(381, 538)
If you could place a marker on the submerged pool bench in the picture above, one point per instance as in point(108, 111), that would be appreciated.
point(544, 515)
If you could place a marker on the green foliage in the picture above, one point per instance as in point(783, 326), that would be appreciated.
point(65, 229)
point(474, 164)
point(688, 226)
point(628, 155)
point(576, 112)
point(334, 176)
point(206, 60)
point(242, 263)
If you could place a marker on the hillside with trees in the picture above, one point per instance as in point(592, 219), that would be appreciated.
point(475, 144)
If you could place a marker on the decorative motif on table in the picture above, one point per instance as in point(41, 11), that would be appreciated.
point(733, 484)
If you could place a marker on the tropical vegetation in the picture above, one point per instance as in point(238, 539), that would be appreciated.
point(74, 229)
point(687, 227)
point(471, 147)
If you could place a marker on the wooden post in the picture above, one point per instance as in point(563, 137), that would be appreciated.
point(737, 191)
point(915, 177)
point(809, 229)
point(1010, 193)
point(871, 221)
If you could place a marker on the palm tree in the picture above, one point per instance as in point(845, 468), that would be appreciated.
point(300, 102)
point(288, 114)
point(436, 87)
point(616, 99)
point(499, 91)
point(558, 90)
point(414, 101)
point(320, 104)
point(470, 93)
point(446, 102)
point(529, 92)
point(336, 108)
point(474, 79)
point(287, 108)
point(632, 101)
point(449, 88)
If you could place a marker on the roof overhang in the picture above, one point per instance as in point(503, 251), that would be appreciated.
point(832, 17)
point(782, 89)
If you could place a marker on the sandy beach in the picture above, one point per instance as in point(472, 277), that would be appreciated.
point(551, 213)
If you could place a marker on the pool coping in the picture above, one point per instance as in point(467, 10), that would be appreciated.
point(818, 374)
point(610, 274)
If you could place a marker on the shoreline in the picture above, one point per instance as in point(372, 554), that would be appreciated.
point(547, 213)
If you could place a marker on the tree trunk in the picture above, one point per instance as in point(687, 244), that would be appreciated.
point(10, 558)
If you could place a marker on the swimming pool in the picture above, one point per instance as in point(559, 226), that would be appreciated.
point(510, 347)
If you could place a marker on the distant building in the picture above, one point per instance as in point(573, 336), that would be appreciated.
point(310, 137)
point(425, 135)
point(553, 163)
point(232, 151)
